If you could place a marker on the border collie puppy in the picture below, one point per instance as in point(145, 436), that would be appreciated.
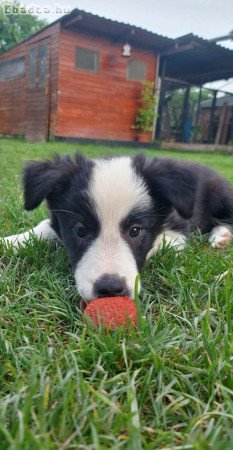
point(112, 214)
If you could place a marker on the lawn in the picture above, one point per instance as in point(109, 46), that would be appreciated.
point(168, 385)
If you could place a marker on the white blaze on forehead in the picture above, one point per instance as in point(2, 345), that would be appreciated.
point(116, 190)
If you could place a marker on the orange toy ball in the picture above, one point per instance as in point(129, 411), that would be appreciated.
point(112, 312)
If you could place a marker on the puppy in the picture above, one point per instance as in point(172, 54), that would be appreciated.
point(112, 214)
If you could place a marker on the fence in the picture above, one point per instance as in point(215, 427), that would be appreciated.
point(194, 115)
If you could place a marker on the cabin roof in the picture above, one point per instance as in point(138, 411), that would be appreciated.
point(188, 58)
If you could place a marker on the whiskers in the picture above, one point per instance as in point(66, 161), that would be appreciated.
point(77, 216)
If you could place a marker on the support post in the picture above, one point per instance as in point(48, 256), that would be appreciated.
point(157, 93)
point(161, 100)
point(211, 124)
point(198, 107)
point(185, 117)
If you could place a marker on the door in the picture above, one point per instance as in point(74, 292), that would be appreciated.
point(37, 94)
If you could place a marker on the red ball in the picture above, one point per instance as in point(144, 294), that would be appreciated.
point(112, 312)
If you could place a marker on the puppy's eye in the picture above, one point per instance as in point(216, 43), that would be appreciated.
point(134, 232)
point(81, 230)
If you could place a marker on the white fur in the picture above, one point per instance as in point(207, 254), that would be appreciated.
point(115, 190)
point(220, 236)
point(107, 255)
point(168, 237)
point(42, 231)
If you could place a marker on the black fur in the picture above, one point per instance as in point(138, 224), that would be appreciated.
point(63, 183)
point(171, 183)
point(191, 196)
point(46, 179)
point(150, 224)
point(186, 197)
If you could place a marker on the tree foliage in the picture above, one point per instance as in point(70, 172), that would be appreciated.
point(175, 102)
point(16, 24)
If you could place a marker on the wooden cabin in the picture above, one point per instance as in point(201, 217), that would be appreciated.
point(79, 77)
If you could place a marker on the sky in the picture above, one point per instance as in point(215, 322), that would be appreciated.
point(172, 18)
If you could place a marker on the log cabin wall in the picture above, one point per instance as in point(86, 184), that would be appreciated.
point(99, 105)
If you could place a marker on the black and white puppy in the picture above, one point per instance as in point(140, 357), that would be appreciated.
point(112, 214)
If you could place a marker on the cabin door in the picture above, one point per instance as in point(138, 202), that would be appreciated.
point(38, 92)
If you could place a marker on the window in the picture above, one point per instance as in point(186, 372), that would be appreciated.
point(32, 67)
point(37, 66)
point(87, 59)
point(12, 69)
point(42, 64)
point(136, 70)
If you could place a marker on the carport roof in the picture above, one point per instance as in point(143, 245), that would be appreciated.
point(220, 101)
point(197, 61)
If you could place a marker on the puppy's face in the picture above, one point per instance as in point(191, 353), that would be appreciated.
point(107, 213)
point(106, 221)
point(117, 231)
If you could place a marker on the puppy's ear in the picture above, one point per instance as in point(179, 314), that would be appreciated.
point(42, 178)
point(39, 178)
point(173, 183)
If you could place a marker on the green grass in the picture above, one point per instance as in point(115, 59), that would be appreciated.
point(167, 385)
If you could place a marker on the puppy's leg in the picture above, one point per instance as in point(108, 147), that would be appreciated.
point(168, 237)
point(174, 233)
point(42, 231)
point(220, 236)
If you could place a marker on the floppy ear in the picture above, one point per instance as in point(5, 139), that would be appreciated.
point(39, 179)
point(173, 183)
point(42, 178)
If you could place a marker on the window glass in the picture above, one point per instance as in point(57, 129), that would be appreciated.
point(87, 59)
point(136, 70)
point(12, 69)
point(32, 67)
point(42, 64)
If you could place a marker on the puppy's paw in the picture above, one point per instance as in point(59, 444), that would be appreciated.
point(10, 241)
point(220, 236)
point(168, 238)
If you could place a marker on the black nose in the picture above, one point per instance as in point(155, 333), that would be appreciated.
point(110, 286)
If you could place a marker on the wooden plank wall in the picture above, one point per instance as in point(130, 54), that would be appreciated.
point(99, 105)
point(14, 92)
point(12, 99)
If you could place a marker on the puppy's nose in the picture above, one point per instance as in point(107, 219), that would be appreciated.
point(110, 286)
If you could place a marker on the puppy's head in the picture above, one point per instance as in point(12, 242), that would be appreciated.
point(107, 213)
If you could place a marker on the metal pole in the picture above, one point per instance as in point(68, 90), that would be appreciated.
point(161, 100)
point(185, 114)
point(198, 107)
point(157, 93)
point(211, 124)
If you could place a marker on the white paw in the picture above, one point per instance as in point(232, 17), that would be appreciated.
point(220, 236)
point(11, 241)
point(42, 231)
point(168, 238)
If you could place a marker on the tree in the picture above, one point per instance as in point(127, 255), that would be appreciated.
point(16, 24)
point(175, 99)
